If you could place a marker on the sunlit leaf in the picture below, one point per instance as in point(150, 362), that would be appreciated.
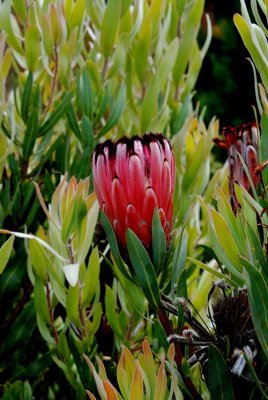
point(5, 252)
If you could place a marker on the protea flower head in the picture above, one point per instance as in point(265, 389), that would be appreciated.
point(243, 140)
point(132, 177)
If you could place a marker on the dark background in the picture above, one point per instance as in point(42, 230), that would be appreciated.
point(225, 84)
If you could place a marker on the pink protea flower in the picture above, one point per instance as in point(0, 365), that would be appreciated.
point(132, 177)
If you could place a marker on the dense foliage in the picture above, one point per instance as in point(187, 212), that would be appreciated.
point(155, 315)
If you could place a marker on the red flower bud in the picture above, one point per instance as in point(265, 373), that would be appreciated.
point(132, 177)
point(243, 140)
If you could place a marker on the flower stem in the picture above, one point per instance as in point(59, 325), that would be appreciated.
point(164, 320)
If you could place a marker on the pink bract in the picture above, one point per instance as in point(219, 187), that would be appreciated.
point(132, 177)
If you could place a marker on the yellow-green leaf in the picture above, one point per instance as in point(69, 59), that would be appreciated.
point(109, 26)
point(91, 278)
point(32, 46)
point(226, 240)
point(5, 253)
point(136, 390)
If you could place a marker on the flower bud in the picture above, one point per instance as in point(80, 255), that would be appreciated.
point(132, 177)
point(243, 140)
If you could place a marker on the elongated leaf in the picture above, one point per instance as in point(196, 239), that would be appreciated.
point(115, 112)
point(72, 305)
point(21, 329)
point(259, 252)
point(136, 390)
point(250, 41)
point(40, 301)
point(91, 278)
point(35, 368)
point(144, 269)
point(149, 105)
point(225, 239)
point(70, 114)
point(32, 47)
point(219, 380)
point(26, 96)
point(56, 115)
point(110, 307)
point(87, 94)
point(102, 106)
point(257, 284)
point(109, 26)
point(255, 378)
point(205, 267)
point(5, 253)
point(161, 334)
point(142, 48)
point(87, 132)
point(31, 134)
point(159, 242)
point(113, 244)
point(192, 23)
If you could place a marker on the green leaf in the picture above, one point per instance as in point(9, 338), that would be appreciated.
point(166, 63)
point(149, 106)
point(87, 132)
point(56, 115)
point(91, 279)
point(87, 94)
point(30, 135)
point(109, 26)
point(79, 361)
point(113, 244)
point(39, 259)
point(144, 269)
point(112, 316)
point(102, 106)
point(40, 300)
point(250, 41)
point(225, 239)
point(257, 248)
point(142, 48)
point(255, 378)
point(219, 380)
point(35, 368)
point(161, 334)
point(68, 224)
point(212, 271)
point(21, 329)
point(115, 112)
point(182, 284)
point(179, 259)
point(257, 284)
point(131, 291)
point(5, 252)
point(32, 47)
point(21, 10)
point(72, 305)
point(26, 95)
point(191, 27)
point(17, 390)
point(70, 114)
point(158, 242)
